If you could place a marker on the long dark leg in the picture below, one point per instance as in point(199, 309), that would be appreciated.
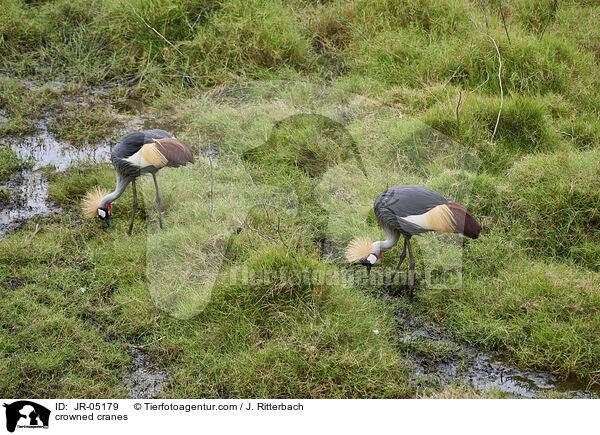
point(402, 257)
point(411, 272)
point(157, 201)
point(133, 206)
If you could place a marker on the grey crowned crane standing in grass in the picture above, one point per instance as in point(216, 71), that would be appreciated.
point(408, 211)
point(139, 153)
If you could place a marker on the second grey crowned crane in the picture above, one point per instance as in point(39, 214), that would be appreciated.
point(139, 153)
point(408, 211)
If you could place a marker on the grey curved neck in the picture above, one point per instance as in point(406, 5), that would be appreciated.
point(122, 183)
point(390, 241)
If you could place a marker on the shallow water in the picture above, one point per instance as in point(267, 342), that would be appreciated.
point(31, 191)
point(43, 150)
point(144, 380)
point(29, 187)
point(481, 370)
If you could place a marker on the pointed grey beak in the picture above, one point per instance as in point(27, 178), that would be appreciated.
point(369, 262)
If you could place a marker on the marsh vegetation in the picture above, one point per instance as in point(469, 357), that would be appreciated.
point(494, 102)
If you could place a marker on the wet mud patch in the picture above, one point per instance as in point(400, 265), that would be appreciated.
point(144, 379)
point(150, 123)
point(440, 360)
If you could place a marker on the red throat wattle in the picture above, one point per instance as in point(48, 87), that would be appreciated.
point(109, 206)
point(380, 255)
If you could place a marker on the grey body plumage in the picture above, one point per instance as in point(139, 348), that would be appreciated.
point(398, 202)
point(407, 211)
point(139, 153)
point(131, 144)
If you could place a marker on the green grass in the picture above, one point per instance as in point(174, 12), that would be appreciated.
point(542, 315)
point(9, 163)
point(555, 199)
point(271, 338)
point(529, 284)
point(87, 123)
point(23, 107)
point(71, 114)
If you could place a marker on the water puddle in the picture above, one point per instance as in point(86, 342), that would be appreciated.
point(462, 364)
point(43, 150)
point(30, 190)
point(144, 380)
point(29, 187)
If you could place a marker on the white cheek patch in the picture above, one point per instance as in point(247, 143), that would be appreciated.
point(372, 258)
point(101, 213)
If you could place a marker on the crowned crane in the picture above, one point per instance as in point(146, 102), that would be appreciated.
point(139, 153)
point(408, 211)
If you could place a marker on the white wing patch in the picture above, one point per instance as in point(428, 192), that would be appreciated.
point(418, 219)
point(148, 155)
point(439, 219)
point(137, 161)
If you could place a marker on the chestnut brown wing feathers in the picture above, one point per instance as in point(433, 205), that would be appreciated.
point(176, 153)
point(465, 222)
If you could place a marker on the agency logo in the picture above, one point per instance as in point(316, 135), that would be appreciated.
point(26, 414)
